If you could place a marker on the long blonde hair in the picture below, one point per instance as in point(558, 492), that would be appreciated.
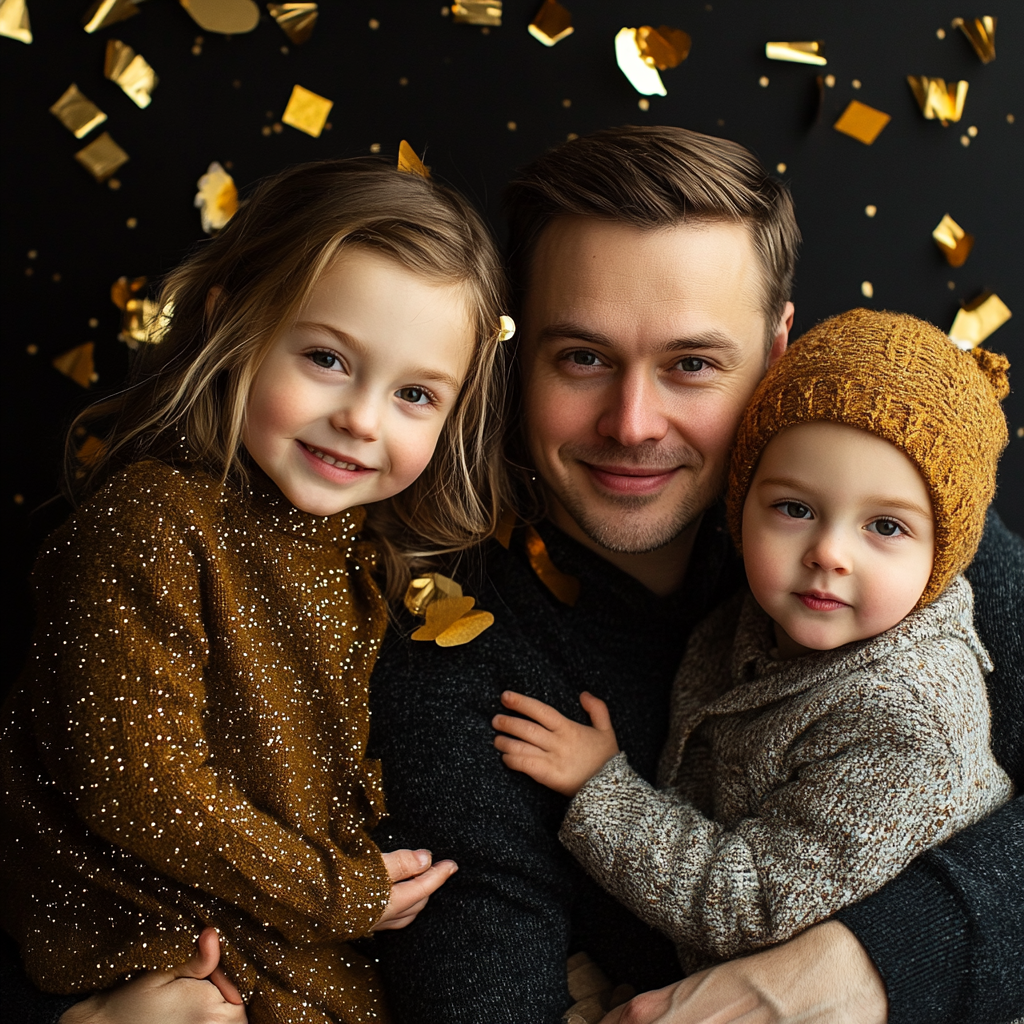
point(193, 385)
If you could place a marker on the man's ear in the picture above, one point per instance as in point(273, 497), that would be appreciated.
point(212, 298)
point(781, 339)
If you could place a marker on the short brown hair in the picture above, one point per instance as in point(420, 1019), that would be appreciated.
point(655, 177)
point(193, 385)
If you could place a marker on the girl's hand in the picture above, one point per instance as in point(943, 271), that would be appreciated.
point(554, 750)
point(195, 993)
point(413, 880)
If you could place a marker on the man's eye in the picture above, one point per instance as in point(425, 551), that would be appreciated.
point(886, 527)
point(794, 510)
point(414, 396)
point(326, 360)
point(691, 364)
point(584, 358)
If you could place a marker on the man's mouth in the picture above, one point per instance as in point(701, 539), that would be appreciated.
point(821, 601)
point(631, 479)
point(341, 461)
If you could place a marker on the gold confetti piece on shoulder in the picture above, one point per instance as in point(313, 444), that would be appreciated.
point(937, 100)
point(409, 162)
point(78, 364)
point(662, 47)
point(90, 450)
point(77, 112)
point(102, 157)
point(565, 587)
point(441, 614)
point(307, 111)
point(506, 328)
point(642, 75)
point(551, 24)
point(451, 619)
point(131, 71)
point(862, 122)
point(228, 17)
point(107, 12)
point(978, 319)
point(477, 12)
point(954, 242)
point(981, 34)
point(14, 21)
point(424, 590)
point(506, 524)
point(797, 53)
point(467, 628)
point(217, 198)
point(296, 20)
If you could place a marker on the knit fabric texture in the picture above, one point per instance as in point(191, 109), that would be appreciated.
point(905, 381)
point(792, 788)
point(187, 748)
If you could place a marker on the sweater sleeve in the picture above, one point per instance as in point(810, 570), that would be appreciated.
point(125, 737)
point(869, 785)
point(947, 934)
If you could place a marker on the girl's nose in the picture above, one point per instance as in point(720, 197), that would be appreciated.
point(359, 417)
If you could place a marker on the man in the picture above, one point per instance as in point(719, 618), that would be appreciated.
point(653, 269)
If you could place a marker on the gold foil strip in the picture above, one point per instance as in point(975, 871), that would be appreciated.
point(477, 12)
point(107, 12)
point(102, 157)
point(663, 47)
point(217, 198)
point(14, 22)
point(981, 34)
point(464, 629)
point(295, 20)
point(565, 587)
point(228, 17)
point(551, 24)
point(954, 242)
point(506, 524)
point(131, 71)
point(797, 53)
point(307, 111)
point(937, 100)
point(642, 75)
point(978, 319)
point(862, 122)
point(409, 162)
point(77, 112)
point(77, 363)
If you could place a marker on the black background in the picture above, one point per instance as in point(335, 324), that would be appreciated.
point(464, 89)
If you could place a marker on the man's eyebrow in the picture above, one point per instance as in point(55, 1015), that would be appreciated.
point(884, 500)
point(568, 329)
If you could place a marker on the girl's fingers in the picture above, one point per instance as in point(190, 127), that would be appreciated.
point(598, 711)
point(535, 709)
point(407, 894)
point(522, 728)
point(402, 864)
point(518, 748)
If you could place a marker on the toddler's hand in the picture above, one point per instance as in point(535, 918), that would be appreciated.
point(554, 750)
point(413, 880)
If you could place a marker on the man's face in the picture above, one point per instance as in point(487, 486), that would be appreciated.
point(641, 349)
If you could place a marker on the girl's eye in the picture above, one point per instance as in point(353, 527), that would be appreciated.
point(325, 360)
point(886, 527)
point(795, 510)
point(414, 396)
point(691, 364)
point(585, 358)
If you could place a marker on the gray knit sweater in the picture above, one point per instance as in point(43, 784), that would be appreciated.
point(790, 789)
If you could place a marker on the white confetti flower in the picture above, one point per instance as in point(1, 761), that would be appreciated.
point(217, 198)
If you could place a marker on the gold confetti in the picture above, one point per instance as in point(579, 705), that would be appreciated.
point(551, 24)
point(217, 198)
point(965, 140)
point(506, 327)
point(511, 126)
point(565, 587)
point(374, 24)
point(780, 168)
point(477, 12)
point(295, 20)
point(409, 162)
point(940, 33)
point(981, 34)
point(14, 21)
point(663, 47)
point(977, 319)
point(374, 147)
point(89, 451)
point(798, 53)
point(856, 83)
point(506, 524)
point(424, 590)
point(642, 75)
point(1020, 433)
point(142, 320)
point(130, 70)
point(450, 617)
point(107, 12)
point(763, 81)
point(973, 131)
point(77, 112)
point(464, 629)
point(132, 222)
point(307, 111)
point(830, 81)
point(102, 157)
point(1010, 119)
point(937, 100)
point(20, 498)
point(867, 289)
point(644, 103)
point(228, 17)
point(862, 122)
point(78, 364)
point(954, 242)
point(871, 209)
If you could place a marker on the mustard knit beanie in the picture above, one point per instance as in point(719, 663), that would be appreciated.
point(904, 380)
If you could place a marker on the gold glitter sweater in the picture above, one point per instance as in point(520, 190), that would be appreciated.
point(187, 747)
point(791, 789)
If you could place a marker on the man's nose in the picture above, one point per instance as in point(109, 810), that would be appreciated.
point(829, 551)
point(359, 416)
point(635, 413)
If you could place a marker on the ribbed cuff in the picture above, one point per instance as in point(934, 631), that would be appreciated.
point(917, 935)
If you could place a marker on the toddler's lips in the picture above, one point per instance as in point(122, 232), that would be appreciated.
point(819, 601)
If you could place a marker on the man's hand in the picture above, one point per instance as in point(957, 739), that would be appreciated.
point(823, 976)
point(552, 749)
point(195, 993)
point(413, 880)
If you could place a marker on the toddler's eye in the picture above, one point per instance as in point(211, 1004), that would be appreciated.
point(325, 360)
point(414, 396)
point(795, 510)
point(886, 527)
point(691, 364)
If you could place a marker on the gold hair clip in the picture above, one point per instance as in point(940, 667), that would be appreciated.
point(450, 618)
point(506, 327)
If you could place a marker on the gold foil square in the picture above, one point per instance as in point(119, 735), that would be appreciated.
point(130, 70)
point(307, 111)
point(296, 20)
point(228, 17)
point(409, 162)
point(798, 53)
point(107, 12)
point(937, 100)
point(551, 24)
point(978, 319)
point(477, 12)
point(981, 34)
point(662, 47)
point(954, 242)
point(77, 112)
point(77, 363)
point(14, 21)
point(862, 122)
point(102, 157)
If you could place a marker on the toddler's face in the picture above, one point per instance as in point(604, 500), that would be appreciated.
point(348, 405)
point(838, 536)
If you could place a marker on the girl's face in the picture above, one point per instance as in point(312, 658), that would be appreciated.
point(838, 536)
point(348, 405)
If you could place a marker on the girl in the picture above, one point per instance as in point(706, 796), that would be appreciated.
point(187, 747)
